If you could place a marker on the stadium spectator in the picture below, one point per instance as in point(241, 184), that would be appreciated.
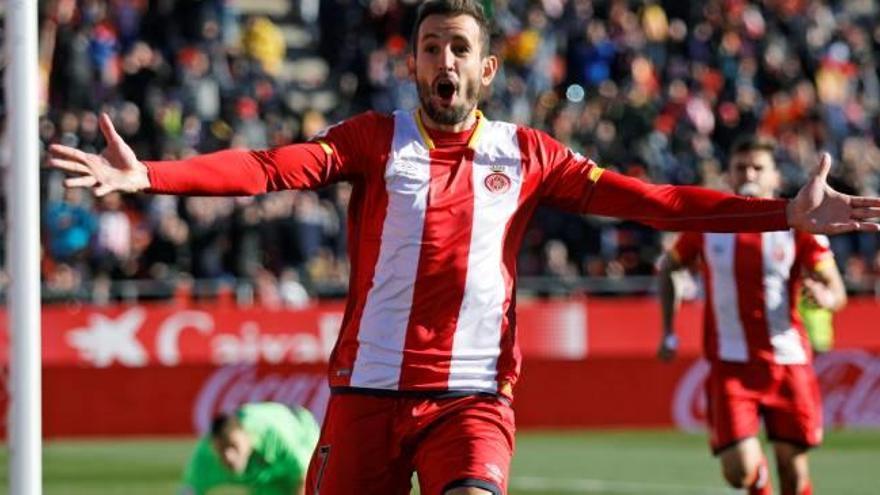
point(112, 249)
point(70, 226)
point(426, 360)
point(807, 72)
point(759, 352)
point(292, 292)
point(264, 447)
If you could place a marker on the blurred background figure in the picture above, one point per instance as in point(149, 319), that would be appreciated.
point(263, 447)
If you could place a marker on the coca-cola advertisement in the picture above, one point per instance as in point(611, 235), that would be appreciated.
point(595, 392)
point(849, 381)
point(166, 370)
point(156, 400)
point(230, 386)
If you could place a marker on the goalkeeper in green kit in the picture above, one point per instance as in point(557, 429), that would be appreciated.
point(265, 447)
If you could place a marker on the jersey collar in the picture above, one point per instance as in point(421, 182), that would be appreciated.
point(472, 142)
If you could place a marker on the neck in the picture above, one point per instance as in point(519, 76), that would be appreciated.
point(462, 126)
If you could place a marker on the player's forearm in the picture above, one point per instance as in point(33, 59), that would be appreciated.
point(668, 300)
point(680, 208)
point(239, 172)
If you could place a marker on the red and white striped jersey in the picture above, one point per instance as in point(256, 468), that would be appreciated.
point(751, 283)
point(435, 223)
point(439, 227)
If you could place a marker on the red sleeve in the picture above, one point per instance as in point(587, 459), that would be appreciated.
point(341, 152)
point(682, 208)
point(687, 247)
point(567, 177)
point(574, 183)
point(813, 250)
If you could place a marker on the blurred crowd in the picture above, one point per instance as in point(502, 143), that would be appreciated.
point(656, 89)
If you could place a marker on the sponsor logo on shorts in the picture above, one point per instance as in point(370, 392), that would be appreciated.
point(494, 472)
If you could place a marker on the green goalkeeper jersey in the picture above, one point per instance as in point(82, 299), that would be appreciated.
point(283, 441)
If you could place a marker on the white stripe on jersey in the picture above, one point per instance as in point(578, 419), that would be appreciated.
point(383, 326)
point(720, 253)
point(477, 340)
point(779, 253)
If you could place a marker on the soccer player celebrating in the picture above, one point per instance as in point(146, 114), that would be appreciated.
point(759, 353)
point(265, 447)
point(423, 371)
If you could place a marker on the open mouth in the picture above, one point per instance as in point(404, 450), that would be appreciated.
point(445, 89)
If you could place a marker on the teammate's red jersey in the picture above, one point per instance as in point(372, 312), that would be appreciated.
point(435, 223)
point(751, 281)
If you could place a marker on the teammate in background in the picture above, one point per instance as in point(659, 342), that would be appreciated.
point(423, 371)
point(265, 447)
point(759, 354)
point(818, 319)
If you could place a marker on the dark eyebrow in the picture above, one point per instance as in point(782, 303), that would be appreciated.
point(455, 37)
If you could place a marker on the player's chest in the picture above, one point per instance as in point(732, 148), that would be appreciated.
point(462, 179)
point(772, 253)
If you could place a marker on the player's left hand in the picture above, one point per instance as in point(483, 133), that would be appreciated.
point(668, 347)
point(819, 209)
point(819, 294)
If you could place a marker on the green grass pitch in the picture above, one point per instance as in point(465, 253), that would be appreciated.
point(546, 463)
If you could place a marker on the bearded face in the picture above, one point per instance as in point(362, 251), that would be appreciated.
point(449, 68)
point(447, 101)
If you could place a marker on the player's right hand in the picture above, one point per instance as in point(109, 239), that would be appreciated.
point(115, 169)
point(668, 347)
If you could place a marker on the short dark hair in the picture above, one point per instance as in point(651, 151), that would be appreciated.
point(452, 8)
point(753, 142)
point(223, 424)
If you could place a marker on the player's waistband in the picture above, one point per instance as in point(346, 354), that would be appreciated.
point(416, 394)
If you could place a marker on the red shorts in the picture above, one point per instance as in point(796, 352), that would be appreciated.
point(786, 396)
point(372, 444)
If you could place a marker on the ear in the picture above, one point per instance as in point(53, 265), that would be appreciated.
point(411, 65)
point(490, 68)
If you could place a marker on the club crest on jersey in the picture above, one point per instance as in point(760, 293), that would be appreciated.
point(497, 182)
point(779, 254)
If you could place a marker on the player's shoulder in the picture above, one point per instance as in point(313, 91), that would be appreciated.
point(806, 238)
point(687, 245)
point(373, 118)
point(364, 124)
point(691, 236)
point(545, 148)
point(535, 136)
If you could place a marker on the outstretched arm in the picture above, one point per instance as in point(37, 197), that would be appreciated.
point(344, 151)
point(230, 172)
point(819, 209)
point(816, 209)
point(115, 169)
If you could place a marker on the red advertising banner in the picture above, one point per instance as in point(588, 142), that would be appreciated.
point(599, 392)
point(216, 334)
point(157, 370)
